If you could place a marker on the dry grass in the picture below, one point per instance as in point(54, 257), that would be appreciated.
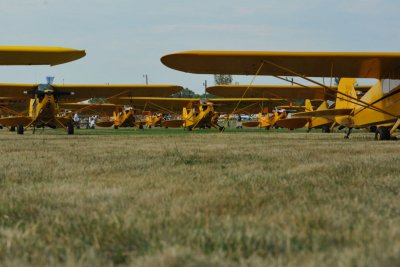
point(174, 198)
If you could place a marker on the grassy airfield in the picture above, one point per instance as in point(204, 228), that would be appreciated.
point(202, 198)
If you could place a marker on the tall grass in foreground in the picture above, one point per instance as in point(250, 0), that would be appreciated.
point(184, 199)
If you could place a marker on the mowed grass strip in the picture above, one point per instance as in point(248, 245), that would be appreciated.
point(202, 198)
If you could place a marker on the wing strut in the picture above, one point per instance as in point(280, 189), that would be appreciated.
point(365, 104)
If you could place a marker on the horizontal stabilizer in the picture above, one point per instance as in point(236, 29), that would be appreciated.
point(104, 124)
point(15, 121)
point(251, 124)
point(172, 123)
point(324, 113)
point(292, 123)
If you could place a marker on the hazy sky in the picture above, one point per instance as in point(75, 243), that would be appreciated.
point(125, 39)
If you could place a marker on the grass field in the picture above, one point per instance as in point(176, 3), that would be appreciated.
point(202, 198)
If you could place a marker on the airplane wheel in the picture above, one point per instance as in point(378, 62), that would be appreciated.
point(12, 129)
point(221, 128)
point(326, 129)
point(20, 129)
point(189, 129)
point(70, 129)
point(382, 133)
point(372, 129)
point(1, 127)
point(141, 127)
point(115, 127)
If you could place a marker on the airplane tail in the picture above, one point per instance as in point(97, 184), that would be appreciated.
point(346, 86)
point(184, 113)
point(308, 105)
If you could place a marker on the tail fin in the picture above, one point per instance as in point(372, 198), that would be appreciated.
point(184, 113)
point(308, 105)
point(346, 86)
point(323, 106)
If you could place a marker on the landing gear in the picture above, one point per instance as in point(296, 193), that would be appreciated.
point(70, 129)
point(115, 127)
point(382, 133)
point(373, 129)
point(12, 129)
point(348, 133)
point(326, 129)
point(20, 129)
point(221, 128)
point(141, 127)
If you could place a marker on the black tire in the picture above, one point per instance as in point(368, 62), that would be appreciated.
point(20, 129)
point(141, 127)
point(115, 127)
point(70, 129)
point(382, 133)
point(189, 129)
point(326, 129)
point(12, 129)
point(373, 129)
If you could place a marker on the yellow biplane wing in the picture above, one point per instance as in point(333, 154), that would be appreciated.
point(324, 113)
point(311, 64)
point(79, 92)
point(38, 55)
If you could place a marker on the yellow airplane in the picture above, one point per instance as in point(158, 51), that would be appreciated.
point(45, 99)
point(379, 106)
point(32, 55)
point(195, 113)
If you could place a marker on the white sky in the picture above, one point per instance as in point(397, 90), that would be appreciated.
point(125, 39)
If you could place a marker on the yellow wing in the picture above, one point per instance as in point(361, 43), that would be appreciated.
point(271, 91)
point(324, 113)
point(79, 92)
point(312, 64)
point(37, 55)
point(82, 92)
